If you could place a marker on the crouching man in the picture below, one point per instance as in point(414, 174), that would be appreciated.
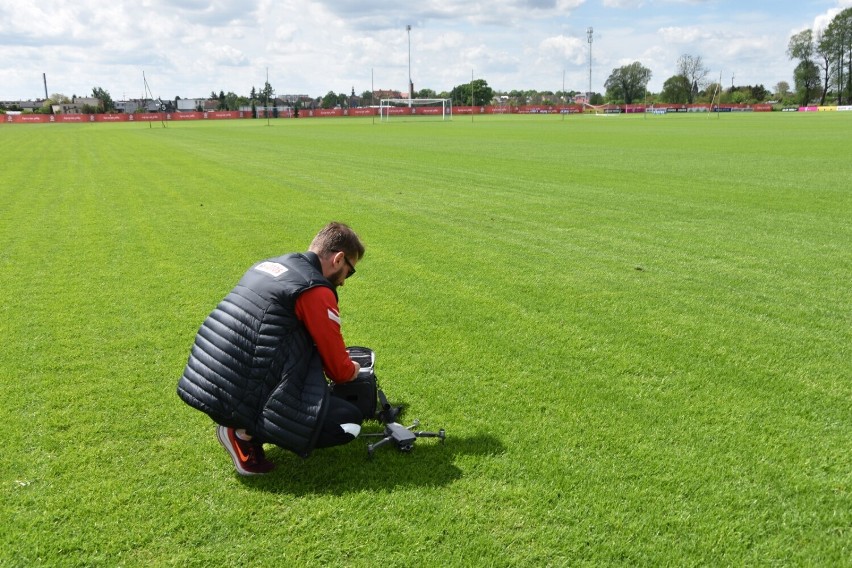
point(259, 363)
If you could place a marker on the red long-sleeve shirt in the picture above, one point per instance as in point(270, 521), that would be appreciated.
point(317, 309)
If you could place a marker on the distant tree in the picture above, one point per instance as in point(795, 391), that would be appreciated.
point(232, 101)
point(517, 97)
point(367, 98)
point(837, 40)
point(807, 79)
point(676, 90)
point(547, 97)
point(59, 99)
point(106, 104)
point(426, 94)
point(801, 46)
point(628, 83)
point(329, 100)
point(712, 93)
point(476, 93)
point(532, 96)
point(759, 93)
point(692, 67)
point(824, 51)
point(267, 93)
point(565, 96)
point(782, 90)
point(807, 74)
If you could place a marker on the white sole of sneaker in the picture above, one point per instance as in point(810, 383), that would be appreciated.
point(222, 436)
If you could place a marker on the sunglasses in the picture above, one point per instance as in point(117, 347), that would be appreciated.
point(349, 264)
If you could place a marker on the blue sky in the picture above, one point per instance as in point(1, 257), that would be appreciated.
point(189, 48)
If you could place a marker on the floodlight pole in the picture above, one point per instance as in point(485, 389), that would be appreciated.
point(408, 29)
point(590, 32)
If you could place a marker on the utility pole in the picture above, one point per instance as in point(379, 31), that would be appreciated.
point(410, 84)
point(590, 32)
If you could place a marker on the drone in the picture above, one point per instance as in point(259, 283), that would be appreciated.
point(402, 436)
point(364, 392)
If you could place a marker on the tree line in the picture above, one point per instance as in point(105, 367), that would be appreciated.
point(823, 73)
point(825, 61)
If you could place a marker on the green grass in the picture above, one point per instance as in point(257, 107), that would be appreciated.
point(636, 332)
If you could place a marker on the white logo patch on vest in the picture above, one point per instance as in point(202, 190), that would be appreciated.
point(272, 268)
point(333, 316)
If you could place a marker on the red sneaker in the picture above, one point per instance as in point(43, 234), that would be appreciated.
point(248, 456)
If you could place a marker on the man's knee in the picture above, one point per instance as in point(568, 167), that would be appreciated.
point(352, 429)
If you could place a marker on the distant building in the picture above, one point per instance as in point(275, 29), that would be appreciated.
point(387, 94)
point(189, 105)
point(23, 105)
point(126, 106)
point(293, 99)
point(77, 105)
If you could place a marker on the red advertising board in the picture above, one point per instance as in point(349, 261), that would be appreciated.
point(111, 117)
point(320, 112)
point(28, 118)
point(223, 114)
point(185, 116)
point(393, 111)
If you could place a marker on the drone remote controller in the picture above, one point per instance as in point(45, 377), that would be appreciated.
point(365, 393)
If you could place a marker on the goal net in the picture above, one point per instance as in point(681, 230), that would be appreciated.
point(396, 109)
point(599, 110)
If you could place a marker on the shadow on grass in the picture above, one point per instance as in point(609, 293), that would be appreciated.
point(347, 469)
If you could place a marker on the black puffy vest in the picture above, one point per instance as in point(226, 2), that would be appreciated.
point(254, 364)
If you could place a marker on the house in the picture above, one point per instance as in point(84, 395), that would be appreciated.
point(189, 105)
point(78, 105)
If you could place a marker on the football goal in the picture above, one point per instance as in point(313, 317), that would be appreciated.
point(398, 109)
point(599, 110)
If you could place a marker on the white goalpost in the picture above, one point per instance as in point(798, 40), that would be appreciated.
point(396, 109)
point(598, 110)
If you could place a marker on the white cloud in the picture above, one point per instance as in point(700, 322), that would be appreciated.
point(822, 20)
point(192, 47)
point(564, 49)
point(623, 3)
point(677, 35)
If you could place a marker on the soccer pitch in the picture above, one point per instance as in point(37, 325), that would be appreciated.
point(635, 331)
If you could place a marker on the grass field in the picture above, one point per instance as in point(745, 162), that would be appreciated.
point(636, 332)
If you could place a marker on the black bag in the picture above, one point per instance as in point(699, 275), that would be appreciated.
point(364, 391)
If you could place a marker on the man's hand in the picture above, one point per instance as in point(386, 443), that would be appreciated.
point(357, 370)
